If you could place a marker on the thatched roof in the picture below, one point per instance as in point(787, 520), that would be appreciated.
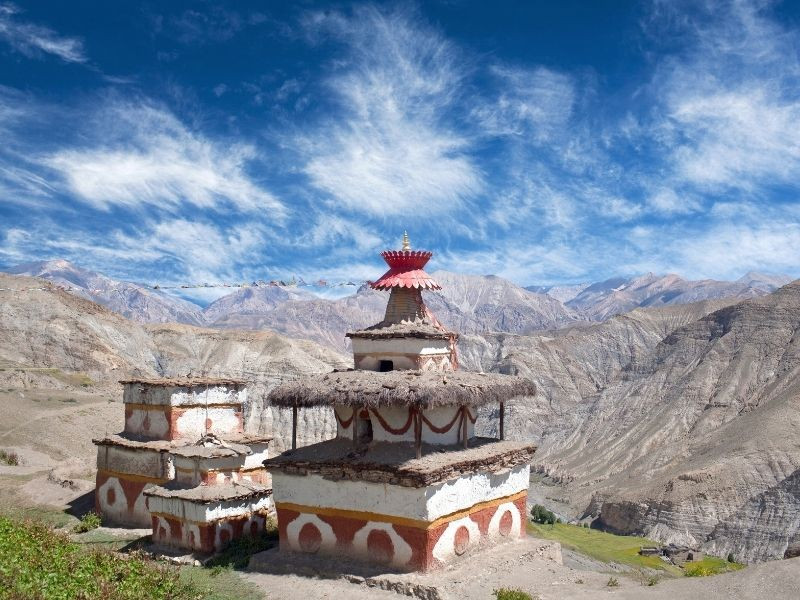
point(385, 330)
point(406, 388)
point(395, 463)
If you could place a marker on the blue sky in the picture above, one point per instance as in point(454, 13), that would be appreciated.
point(544, 142)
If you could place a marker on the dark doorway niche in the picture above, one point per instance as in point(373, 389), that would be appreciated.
point(364, 430)
point(386, 366)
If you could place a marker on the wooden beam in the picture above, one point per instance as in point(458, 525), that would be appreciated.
point(294, 427)
point(355, 425)
point(417, 431)
point(464, 420)
point(502, 419)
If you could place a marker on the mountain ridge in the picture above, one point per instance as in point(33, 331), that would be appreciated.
point(468, 304)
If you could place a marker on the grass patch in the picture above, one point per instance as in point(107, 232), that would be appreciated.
point(103, 539)
point(710, 565)
point(89, 521)
point(37, 562)
point(602, 546)
point(46, 515)
point(219, 584)
point(9, 458)
point(512, 594)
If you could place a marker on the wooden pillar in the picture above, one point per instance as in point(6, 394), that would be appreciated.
point(464, 420)
point(354, 423)
point(417, 431)
point(294, 427)
point(502, 419)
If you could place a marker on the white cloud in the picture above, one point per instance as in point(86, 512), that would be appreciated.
point(732, 100)
point(730, 250)
point(667, 202)
point(32, 40)
point(337, 232)
point(388, 152)
point(143, 155)
point(535, 101)
point(618, 208)
point(184, 251)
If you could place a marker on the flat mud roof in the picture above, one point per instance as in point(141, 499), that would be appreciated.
point(395, 462)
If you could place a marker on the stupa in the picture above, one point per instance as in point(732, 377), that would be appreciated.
point(183, 464)
point(405, 482)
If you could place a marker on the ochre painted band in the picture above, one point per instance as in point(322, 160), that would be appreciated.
point(395, 520)
point(131, 477)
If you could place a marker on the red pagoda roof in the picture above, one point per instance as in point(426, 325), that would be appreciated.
point(405, 271)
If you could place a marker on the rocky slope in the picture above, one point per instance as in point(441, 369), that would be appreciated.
point(573, 364)
point(696, 440)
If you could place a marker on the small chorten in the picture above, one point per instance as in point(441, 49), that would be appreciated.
point(184, 465)
point(405, 482)
point(426, 345)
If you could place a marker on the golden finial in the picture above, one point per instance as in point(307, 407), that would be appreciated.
point(406, 243)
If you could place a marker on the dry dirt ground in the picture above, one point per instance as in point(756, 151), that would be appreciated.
point(48, 420)
point(531, 565)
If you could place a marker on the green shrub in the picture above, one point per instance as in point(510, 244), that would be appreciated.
point(730, 557)
point(652, 580)
point(710, 565)
point(698, 570)
point(512, 594)
point(239, 551)
point(542, 516)
point(89, 521)
point(37, 562)
point(612, 582)
point(9, 458)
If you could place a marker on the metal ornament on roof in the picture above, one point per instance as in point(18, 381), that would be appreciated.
point(406, 269)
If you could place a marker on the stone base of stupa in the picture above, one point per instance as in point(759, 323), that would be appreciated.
point(409, 515)
point(483, 571)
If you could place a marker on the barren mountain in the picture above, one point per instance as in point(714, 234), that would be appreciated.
point(562, 293)
point(137, 302)
point(467, 304)
point(602, 300)
point(697, 439)
point(253, 301)
point(573, 364)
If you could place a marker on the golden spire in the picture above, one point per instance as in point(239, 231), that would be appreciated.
point(406, 243)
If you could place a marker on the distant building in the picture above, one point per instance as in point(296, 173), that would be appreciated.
point(678, 555)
